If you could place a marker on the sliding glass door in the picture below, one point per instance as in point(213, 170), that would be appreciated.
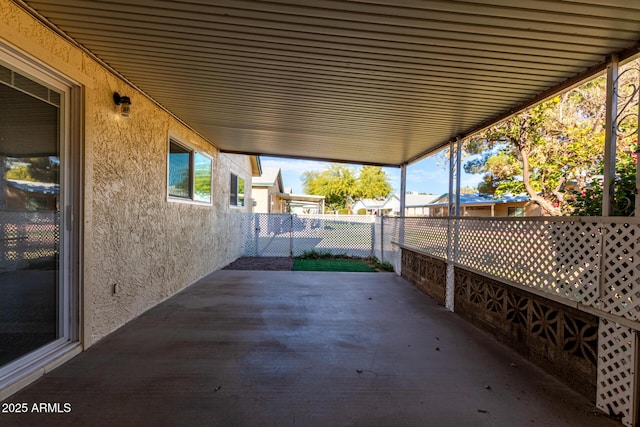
point(34, 283)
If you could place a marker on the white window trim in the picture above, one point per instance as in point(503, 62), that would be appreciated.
point(187, 146)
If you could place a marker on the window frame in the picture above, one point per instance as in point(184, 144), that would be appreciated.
point(30, 366)
point(192, 196)
point(515, 210)
point(237, 194)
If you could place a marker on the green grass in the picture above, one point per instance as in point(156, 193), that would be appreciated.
point(332, 264)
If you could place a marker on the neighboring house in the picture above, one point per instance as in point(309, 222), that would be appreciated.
point(264, 190)
point(418, 204)
point(270, 196)
point(379, 206)
point(486, 205)
point(415, 205)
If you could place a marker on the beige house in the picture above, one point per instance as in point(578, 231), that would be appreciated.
point(148, 117)
point(265, 190)
point(485, 205)
point(118, 205)
point(418, 204)
point(270, 196)
point(415, 205)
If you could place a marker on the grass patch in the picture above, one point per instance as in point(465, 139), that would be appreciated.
point(332, 264)
point(324, 261)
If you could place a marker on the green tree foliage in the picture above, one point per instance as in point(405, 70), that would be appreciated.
point(372, 182)
point(35, 169)
point(589, 201)
point(548, 151)
point(338, 183)
point(335, 183)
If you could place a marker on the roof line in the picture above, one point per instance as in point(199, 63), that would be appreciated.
point(568, 84)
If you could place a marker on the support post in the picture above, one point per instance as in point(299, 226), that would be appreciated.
point(450, 199)
point(403, 200)
point(611, 128)
point(458, 161)
point(452, 224)
point(637, 205)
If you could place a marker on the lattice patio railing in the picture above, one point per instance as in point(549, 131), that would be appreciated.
point(591, 261)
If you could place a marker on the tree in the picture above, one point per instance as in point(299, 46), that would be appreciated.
point(554, 151)
point(544, 148)
point(589, 201)
point(338, 183)
point(35, 169)
point(335, 183)
point(372, 182)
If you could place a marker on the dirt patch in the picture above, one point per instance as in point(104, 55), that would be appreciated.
point(271, 263)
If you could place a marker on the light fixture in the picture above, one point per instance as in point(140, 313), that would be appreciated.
point(124, 102)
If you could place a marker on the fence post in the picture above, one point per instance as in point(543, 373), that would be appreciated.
point(381, 238)
point(256, 233)
point(373, 237)
point(291, 235)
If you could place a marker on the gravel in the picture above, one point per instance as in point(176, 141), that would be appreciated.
point(271, 263)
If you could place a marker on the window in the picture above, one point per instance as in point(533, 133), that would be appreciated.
point(189, 174)
point(236, 197)
point(515, 211)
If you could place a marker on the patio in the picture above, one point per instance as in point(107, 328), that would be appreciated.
point(286, 348)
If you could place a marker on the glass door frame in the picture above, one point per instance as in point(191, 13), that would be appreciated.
point(68, 295)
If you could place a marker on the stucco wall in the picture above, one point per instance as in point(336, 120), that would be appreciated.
point(133, 236)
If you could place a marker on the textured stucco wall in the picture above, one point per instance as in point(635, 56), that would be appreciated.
point(133, 237)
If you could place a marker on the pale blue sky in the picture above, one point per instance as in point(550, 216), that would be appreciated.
point(426, 176)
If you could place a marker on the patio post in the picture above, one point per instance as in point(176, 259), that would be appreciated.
point(403, 199)
point(637, 205)
point(452, 223)
point(611, 129)
point(458, 160)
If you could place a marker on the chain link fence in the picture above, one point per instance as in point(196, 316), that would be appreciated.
point(293, 235)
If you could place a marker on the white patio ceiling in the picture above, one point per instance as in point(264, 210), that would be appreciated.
point(375, 81)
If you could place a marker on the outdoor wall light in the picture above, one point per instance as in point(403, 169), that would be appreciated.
point(124, 102)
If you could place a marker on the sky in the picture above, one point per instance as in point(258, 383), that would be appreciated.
point(429, 175)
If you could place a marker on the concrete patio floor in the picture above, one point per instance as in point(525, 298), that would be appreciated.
point(274, 348)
